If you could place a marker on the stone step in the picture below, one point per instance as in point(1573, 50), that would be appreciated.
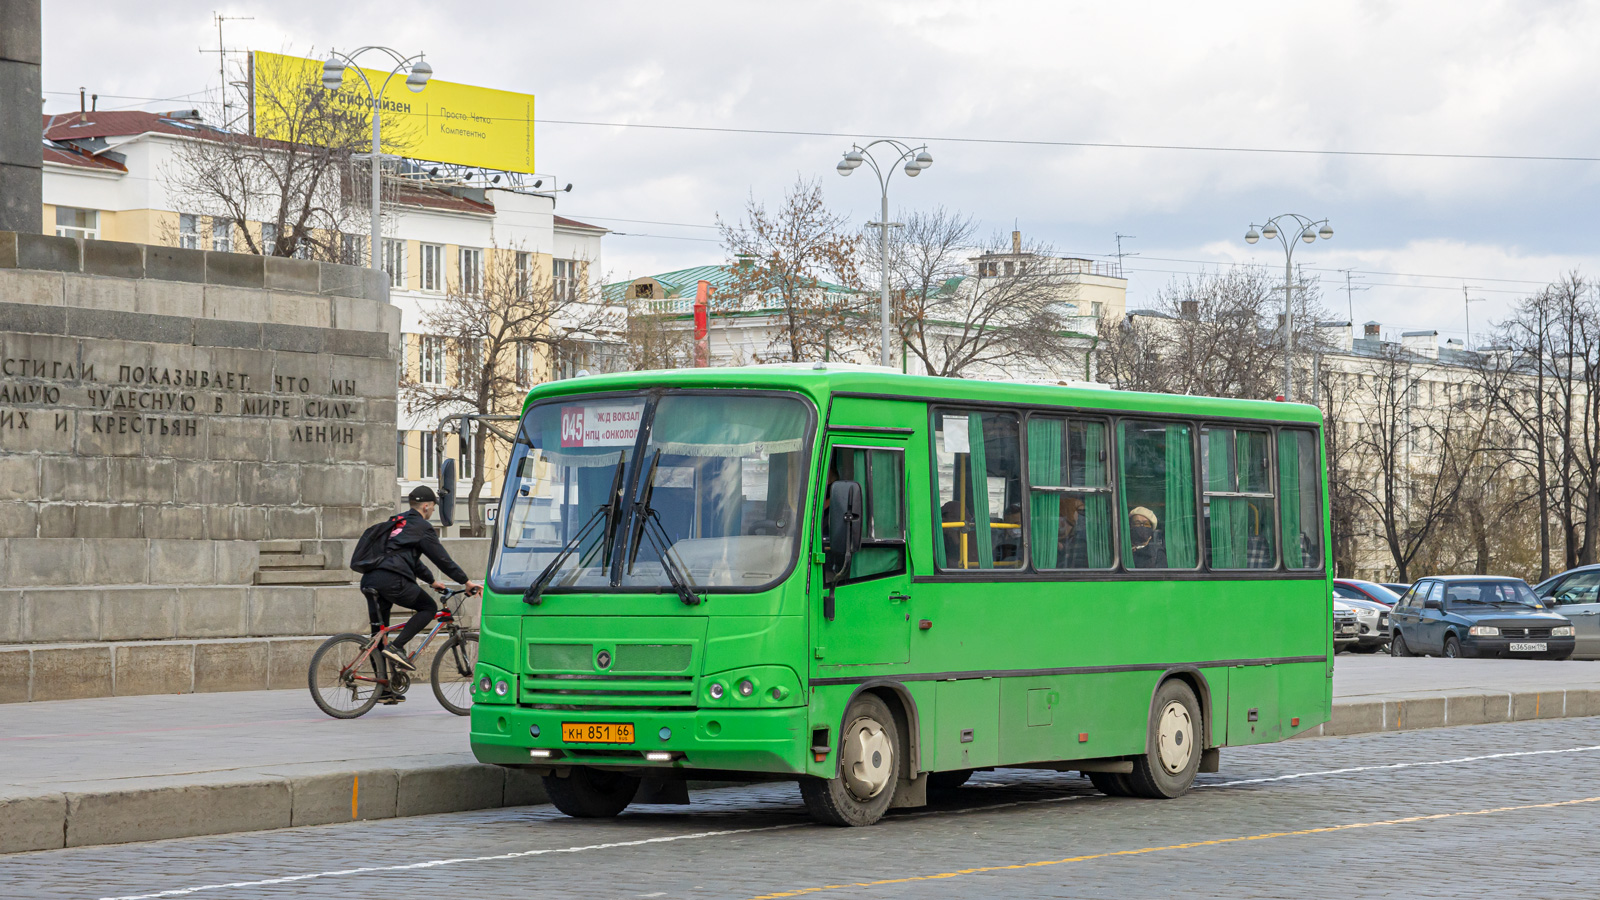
point(279, 546)
point(305, 576)
point(292, 560)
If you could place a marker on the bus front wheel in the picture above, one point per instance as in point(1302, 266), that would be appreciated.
point(591, 793)
point(1173, 748)
point(869, 768)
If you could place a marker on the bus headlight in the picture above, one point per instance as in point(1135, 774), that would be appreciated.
point(716, 690)
point(746, 688)
point(1483, 631)
point(484, 684)
point(1561, 631)
point(500, 688)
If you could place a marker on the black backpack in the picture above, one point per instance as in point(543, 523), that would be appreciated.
point(373, 547)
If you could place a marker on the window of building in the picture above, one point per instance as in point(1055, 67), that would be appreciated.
point(524, 272)
point(1158, 503)
point(980, 490)
point(881, 474)
point(269, 239)
point(1069, 511)
point(470, 272)
point(1239, 507)
point(77, 223)
point(1299, 475)
point(221, 234)
point(433, 353)
point(430, 456)
point(432, 267)
point(564, 275)
point(353, 249)
point(1011, 268)
point(464, 445)
point(394, 262)
point(400, 454)
point(525, 364)
point(189, 231)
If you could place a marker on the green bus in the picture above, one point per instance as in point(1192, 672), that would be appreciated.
point(877, 583)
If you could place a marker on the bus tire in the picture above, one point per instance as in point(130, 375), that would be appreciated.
point(1173, 746)
point(870, 754)
point(591, 793)
point(1112, 784)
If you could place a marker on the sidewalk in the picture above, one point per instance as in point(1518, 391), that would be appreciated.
point(117, 769)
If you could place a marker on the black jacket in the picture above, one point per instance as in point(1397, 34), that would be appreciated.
point(416, 539)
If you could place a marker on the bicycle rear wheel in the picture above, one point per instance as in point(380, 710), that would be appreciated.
point(452, 672)
point(340, 687)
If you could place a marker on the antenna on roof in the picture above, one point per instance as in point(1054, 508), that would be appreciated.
point(222, 60)
point(1120, 254)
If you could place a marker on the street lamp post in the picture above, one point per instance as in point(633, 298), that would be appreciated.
point(1303, 229)
point(916, 159)
point(417, 74)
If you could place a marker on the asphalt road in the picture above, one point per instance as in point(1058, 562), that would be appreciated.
point(1495, 810)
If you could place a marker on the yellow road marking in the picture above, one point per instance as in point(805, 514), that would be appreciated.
point(355, 791)
point(1185, 846)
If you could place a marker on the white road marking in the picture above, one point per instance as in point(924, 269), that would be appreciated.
point(434, 863)
point(288, 879)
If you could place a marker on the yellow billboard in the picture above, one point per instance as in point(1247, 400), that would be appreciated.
point(445, 122)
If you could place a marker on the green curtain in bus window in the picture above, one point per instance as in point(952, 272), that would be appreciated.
point(885, 522)
point(978, 486)
point(697, 425)
point(1298, 485)
point(1097, 507)
point(1229, 530)
point(1044, 469)
point(1182, 552)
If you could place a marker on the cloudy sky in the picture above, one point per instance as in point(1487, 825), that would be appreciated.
point(1472, 78)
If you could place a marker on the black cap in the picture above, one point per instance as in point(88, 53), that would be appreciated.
point(422, 494)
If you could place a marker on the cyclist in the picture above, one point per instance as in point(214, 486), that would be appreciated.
point(394, 581)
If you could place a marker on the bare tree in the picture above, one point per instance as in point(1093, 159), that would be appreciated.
point(499, 340)
point(1412, 453)
point(656, 340)
point(786, 257)
point(957, 317)
point(302, 186)
point(1343, 468)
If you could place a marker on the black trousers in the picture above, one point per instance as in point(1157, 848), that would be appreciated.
point(385, 590)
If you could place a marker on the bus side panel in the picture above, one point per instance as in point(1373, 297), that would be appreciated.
point(969, 723)
point(1285, 700)
point(1218, 683)
point(1111, 709)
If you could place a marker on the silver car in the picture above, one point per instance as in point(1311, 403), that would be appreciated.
point(1372, 621)
point(1346, 627)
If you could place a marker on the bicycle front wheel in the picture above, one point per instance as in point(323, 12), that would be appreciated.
point(340, 687)
point(453, 666)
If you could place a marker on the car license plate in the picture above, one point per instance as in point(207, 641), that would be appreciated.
point(597, 732)
point(1529, 648)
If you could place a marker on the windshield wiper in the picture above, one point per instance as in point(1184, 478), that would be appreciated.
point(645, 515)
point(608, 512)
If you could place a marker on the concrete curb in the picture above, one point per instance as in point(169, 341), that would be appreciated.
point(82, 814)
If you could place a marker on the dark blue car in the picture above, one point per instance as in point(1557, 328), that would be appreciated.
point(1477, 615)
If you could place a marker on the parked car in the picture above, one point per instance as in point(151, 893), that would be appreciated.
point(1399, 589)
point(1367, 590)
point(1575, 594)
point(1346, 630)
point(1477, 615)
point(1372, 619)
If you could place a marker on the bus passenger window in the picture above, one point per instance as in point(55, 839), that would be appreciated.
point(1070, 496)
point(980, 491)
point(881, 474)
point(1299, 478)
point(1239, 508)
point(1157, 495)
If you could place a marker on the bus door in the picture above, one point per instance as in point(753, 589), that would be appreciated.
point(871, 621)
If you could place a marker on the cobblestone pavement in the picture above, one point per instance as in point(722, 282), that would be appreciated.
point(1488, 792)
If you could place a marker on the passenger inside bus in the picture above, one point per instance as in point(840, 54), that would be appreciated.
point(1149, 550)
point(1072, 547)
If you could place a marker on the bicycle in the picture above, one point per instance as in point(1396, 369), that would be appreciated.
point(348, 675)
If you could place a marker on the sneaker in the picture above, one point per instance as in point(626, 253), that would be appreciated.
point(398, 657)
point(391, 699)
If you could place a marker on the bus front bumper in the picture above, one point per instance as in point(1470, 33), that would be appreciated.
point(746, 740)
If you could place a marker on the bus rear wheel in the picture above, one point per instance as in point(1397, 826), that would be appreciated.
point(591, 793)
point(1112, 784)
point(1173, 747)
point(869, 768)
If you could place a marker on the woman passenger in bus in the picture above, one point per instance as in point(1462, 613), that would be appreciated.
point(1149, 551)
point(1072, 547)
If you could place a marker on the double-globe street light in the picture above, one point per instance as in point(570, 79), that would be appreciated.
point(417, 73)
point(915, 159)
point(1289, 228)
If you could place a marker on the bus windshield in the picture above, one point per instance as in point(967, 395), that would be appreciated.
point(718, 487)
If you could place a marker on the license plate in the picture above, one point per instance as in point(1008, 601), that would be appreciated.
point(1529, 648)
point(597, 732)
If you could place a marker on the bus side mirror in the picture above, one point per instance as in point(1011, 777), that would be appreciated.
point(447, 492)
point(845, 504)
